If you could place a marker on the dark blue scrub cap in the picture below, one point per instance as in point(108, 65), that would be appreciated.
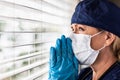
point(101, 14)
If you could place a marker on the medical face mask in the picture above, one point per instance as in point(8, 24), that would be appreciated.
point(82, 49)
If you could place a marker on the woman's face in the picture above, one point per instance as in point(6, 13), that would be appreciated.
point(97, 41)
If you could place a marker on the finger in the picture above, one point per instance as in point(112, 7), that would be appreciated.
point(70, 51)
point(52, 57)
point(76, 63)
point(64, 46)
point(71, 54)
point(58, 51)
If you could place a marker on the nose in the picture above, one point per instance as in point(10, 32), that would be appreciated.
point(74, 28)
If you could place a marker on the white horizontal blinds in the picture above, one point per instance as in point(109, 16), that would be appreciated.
point(27, 30)
point(51, 14)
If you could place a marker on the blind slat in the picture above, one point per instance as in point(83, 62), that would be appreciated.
point(38, 6)
point(38, 74)
point(8, 74)
point(24, 57)
point(33, 15)
point(26, 39)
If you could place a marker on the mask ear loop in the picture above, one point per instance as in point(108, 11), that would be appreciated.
point(97, 33)
point(101, 48)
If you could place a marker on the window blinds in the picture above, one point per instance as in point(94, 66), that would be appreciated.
point(27, 30)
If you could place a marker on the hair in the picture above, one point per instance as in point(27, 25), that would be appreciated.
point(116, 2)
point(116, 47)
point(116, 44)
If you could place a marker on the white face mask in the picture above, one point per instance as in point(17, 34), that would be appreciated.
point(82, 49)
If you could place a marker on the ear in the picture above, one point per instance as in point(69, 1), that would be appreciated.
point(110, 37)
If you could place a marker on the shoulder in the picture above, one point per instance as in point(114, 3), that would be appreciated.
point(116, 68)
point(114, 72)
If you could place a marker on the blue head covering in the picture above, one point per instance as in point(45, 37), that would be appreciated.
point(101, 14)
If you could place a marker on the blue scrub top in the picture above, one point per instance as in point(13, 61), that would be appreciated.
point(113, 73)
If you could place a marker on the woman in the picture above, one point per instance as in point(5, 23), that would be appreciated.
point(107, 65)
point(95, 41)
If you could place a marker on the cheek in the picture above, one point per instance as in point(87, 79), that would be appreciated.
point(97, 42)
